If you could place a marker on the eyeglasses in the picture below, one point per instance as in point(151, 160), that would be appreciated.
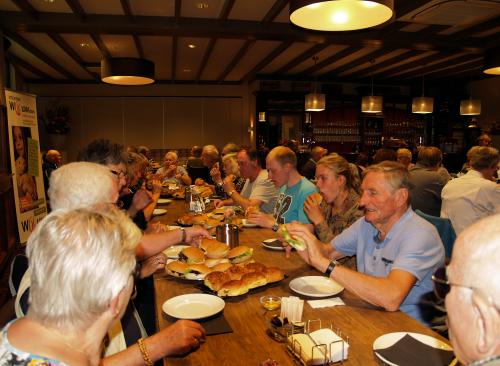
point(119, 174)
point(442, 286)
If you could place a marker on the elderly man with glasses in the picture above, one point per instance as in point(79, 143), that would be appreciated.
point(396, 250)
point(471, 288)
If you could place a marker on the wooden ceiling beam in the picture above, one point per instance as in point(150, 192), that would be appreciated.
point(226, 9)
point(39, 54)
point(453, 71)
point(126, 10)
point(174, 57)
point(77, 9)
point(178, 10)
point(478, 28)
point(26, 8)
point(235, 29)
point(359, 61)
point(404, 7)
point(266, 60)
point(241, 53)
point(418, 72)
point(393, 60)
point(70, 52)
point(100, 45)
point(301, 58)
point(206, 57)
point(409, 65)
point(275, 10)
point(138, 45)
point(26, 65)
point(334, 58)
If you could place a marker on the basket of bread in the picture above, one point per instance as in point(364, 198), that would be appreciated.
point(224, 271)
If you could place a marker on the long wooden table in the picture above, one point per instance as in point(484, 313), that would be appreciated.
point(249, 343)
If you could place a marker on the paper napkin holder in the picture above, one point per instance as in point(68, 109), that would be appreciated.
point(322, 346)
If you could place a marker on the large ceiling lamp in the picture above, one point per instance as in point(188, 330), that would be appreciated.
point(492, 61)
point(423, 104)
point(127, 71)
point(470, 107)
point(340, 15)
point(315, 102)
point(371, 103)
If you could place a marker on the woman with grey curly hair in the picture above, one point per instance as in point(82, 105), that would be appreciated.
point(82, 264)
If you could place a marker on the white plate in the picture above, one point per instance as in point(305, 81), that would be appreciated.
point(247, 223)
point(163, 201)
point(159, 211)
point(193, 306)
point(173, 252)
point(273, 244)
point(387, 340)
point(315, 286)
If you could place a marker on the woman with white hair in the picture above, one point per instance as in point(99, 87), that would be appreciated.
point(78, 290)
point(232, 172)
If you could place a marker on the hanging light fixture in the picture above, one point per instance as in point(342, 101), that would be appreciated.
point(315, 102)
point(127, 71)
point(262, 116)
point(492, 61)
point(470, 107)
point(340, 15)
point(423, 104)
point(371, 103)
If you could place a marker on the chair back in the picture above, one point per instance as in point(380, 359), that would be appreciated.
point(201, 172)
point(444, 228)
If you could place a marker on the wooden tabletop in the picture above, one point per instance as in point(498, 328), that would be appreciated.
point(249, 343)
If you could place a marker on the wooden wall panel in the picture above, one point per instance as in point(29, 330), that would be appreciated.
point(143, 121)
point(222, 121)
point(102, 118)
point(183, 122)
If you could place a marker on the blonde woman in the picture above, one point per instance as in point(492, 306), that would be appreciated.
point(82, 265)
point(337, 205)
point(231, 171)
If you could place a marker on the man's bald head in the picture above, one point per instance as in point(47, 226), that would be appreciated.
point(318, 152)
point(476, 256)
point(473, 303)
point(283, 155)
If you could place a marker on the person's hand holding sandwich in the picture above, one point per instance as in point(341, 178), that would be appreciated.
point(311, 250)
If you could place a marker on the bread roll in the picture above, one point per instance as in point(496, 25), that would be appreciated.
point(232, 288)
point(273, 274)
point(236, 272)
point(192, 255)
point(254, 279)
point(240, 254)
point(222, 266)
point(215, 280)
point(176, 269)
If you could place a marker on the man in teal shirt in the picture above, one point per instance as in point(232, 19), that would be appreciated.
point(281, 164)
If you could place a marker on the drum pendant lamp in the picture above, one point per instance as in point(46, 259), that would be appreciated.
point(423, 104)
point(315, 102)
point(127, 71)
point(492, 61)
point(340, 15)
point(371, 103)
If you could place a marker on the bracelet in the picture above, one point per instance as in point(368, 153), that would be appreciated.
point(183, 237)
point(331, 267)
point(144, 352)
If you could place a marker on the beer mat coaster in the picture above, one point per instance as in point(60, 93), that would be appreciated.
point(216, 324)
point(409, 351)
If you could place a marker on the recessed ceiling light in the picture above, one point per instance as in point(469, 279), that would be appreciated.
point(202, 5)
point(191, 45)
point(48, 1)
point(83, 44)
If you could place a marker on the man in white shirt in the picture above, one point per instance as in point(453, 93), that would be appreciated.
point(258, 190)
point(474, 195)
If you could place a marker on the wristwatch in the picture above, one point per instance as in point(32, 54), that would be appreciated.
point(276, 226)
point(331, 267)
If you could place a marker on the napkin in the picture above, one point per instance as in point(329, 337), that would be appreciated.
point(315, 304)
point(315, 347)
point(409, 351)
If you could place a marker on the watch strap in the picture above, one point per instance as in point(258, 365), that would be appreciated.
point(331, 267)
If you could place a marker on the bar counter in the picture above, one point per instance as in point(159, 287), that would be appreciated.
point(249, 344)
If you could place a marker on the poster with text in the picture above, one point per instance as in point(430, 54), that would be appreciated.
point(25, 161)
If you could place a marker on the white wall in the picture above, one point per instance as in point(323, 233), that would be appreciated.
point(158, 116)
